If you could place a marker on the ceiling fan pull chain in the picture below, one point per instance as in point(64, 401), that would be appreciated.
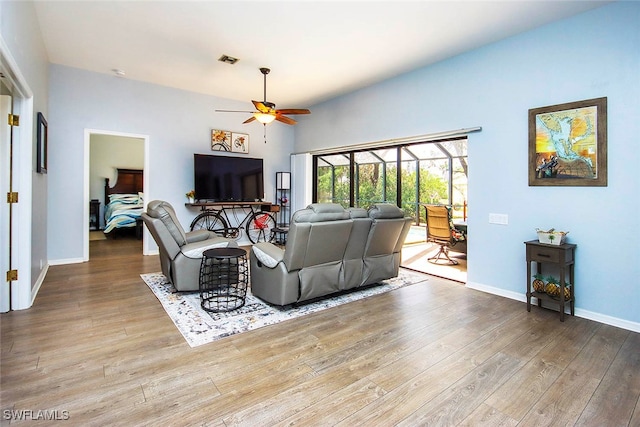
point(265, 132)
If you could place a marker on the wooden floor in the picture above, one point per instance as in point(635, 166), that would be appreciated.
point(98, 347)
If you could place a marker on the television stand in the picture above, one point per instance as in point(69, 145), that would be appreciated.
point(257, 219)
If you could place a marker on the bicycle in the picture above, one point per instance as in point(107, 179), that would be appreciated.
point(258, 224)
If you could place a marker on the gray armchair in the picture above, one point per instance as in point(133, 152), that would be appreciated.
point(180, 251)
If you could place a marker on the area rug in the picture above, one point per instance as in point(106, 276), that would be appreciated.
point(200, 327)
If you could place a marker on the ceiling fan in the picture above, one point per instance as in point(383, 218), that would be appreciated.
point(266, 111)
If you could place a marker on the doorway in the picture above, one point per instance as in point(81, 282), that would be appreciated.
point(6, 214)
point(16, 148)
point(411, 176)
point(105, 152)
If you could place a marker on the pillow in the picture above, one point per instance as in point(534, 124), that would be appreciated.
point(124, 198)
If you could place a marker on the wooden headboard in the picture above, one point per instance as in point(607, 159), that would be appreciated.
point(129, 181)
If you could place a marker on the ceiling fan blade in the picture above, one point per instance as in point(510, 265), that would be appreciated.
point(294, 111)
point(234, 111)
point(249, 120)
point(260, 106)
point(284, 119)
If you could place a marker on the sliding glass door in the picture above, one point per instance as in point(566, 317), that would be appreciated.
point(406, 175)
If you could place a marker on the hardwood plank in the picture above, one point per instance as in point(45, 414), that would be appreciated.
point(564, 401)
point(487, 416)
point(546, 362)
point(97, 343)
point(458, 401)
point(413, 391)
point(619, 390)
point(336, 406)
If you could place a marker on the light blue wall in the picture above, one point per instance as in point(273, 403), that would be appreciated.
point(178, 124)
point(591, 55)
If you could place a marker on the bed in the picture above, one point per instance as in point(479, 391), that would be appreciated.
point(123, 201)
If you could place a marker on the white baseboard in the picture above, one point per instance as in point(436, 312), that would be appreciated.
point(585, 314)
point(39, 280)
point(66, 261)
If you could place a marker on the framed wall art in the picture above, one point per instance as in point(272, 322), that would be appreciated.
point(240, 143)
point(220, 140)
point(41, 145)
point(568, 144)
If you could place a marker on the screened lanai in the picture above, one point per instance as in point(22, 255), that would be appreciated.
point(409, 176)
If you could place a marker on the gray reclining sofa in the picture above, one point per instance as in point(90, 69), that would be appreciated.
point(329, 249)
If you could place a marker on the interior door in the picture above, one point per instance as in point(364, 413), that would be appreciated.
point(5, 188)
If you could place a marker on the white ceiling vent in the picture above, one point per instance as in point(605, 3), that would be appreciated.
point(228, 59)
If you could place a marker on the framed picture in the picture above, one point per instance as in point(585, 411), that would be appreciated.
point(42, 141)
point(568, 144)
point(240, 143)
point(220, 140)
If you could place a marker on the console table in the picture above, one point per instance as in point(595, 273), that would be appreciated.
point(563, 256)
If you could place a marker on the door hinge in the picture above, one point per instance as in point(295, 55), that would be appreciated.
point(12, 275)
point(12, 197)
point(14, 120)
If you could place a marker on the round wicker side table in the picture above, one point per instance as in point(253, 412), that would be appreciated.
point(223, 279)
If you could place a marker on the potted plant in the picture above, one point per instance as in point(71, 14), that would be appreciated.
point(191, 195)
point(538, 283)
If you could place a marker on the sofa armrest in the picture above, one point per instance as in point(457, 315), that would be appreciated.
point(195, 249)
point(268, 254)
point(198, 235)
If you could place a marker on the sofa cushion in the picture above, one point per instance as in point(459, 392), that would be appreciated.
point(358, 213)
point(385, 211)
point(319, 212)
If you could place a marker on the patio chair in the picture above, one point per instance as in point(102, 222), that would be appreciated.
point(440, 230)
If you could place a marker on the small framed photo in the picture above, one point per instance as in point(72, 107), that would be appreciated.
point(240, 143)
point(220, 140)
point(42, 142)
point(568, 144)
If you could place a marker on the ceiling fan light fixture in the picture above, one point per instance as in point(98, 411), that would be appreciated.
point(264, 118)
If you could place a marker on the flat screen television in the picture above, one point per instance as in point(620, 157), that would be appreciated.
point(227, 179)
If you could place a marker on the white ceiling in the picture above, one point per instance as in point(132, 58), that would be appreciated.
point(316, 49)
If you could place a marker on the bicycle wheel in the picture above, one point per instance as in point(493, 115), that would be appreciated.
point(211, 221)
point(259, 227)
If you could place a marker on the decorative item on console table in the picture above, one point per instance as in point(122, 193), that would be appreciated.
point(552, 288)
point(538, 283)
point(191, 196)
point(552, 237)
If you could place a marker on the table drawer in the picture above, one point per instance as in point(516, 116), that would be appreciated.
point(541, 254)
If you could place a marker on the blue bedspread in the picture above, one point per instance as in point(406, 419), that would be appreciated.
point(122, 211)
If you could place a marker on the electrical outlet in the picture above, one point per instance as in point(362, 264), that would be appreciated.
point(502, 219)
